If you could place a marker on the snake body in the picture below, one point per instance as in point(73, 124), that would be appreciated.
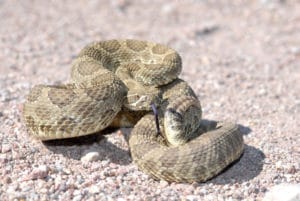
point(114, 83)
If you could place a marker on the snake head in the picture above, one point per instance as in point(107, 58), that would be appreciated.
point(138, 101)
point(140, 97)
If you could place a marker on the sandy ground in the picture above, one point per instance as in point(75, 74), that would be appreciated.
point(241, 58)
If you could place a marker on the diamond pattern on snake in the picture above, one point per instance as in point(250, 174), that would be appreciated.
point(117, 83)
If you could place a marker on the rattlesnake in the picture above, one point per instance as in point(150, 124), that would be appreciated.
point(116, 83)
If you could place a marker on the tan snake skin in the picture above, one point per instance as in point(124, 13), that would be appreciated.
point(114, 83)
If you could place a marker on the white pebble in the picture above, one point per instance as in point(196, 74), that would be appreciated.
point(192, 197)
point(5, 148)
point(203, 191)
point(90, 156)
point(284, 192)
point(94, 189)
point(163, 183)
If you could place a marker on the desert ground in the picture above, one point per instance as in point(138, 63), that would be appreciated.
point(242, 58)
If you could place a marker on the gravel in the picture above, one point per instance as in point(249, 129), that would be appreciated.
point(242, 59)
point(284, 192)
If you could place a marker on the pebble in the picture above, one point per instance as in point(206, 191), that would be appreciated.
point(7, 180)
point(202, 191)
point(5, 148)
point(90, 156)
point(192, 197)
point(38, 173)
point(163, 183)
point(283, 192)
point(94, 189)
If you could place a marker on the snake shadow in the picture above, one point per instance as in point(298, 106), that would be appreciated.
point(247, 167)
point(244, 169)
point(75, 148)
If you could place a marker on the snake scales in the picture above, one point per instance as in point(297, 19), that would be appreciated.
point(115, 83)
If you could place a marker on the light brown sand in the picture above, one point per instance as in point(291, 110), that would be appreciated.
point(242, 59)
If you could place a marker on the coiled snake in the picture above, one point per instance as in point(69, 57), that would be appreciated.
point(116, 83)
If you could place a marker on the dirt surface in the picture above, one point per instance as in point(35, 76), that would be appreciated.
point(242, 59)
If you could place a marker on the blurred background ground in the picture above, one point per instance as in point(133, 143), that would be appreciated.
point(242, 58)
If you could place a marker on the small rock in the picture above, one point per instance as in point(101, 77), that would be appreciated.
point(279, 165)
point(67, 171)
point(292, 170)
point(5, 148)
point(203, 191)
point(284, 192)
point(94, 189)
point(7, 180)
point(192, 198)
point(38, 173)
point(163, 183)
point(90, 156)
point(77, 197)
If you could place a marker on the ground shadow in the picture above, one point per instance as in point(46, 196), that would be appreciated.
point(75, 147)
point(244, 129)
point(248, 166)
point(244, 169)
